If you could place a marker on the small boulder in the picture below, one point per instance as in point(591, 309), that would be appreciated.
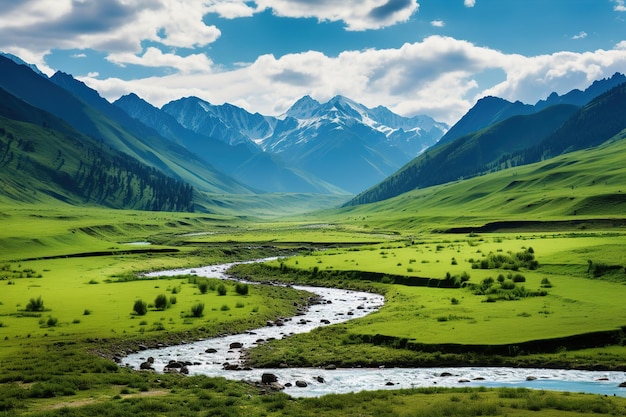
point(268, 378)
point(301, 384)
point(531, 378)
point(236, 345)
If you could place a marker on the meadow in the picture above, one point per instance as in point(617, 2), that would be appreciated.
point(70, 279)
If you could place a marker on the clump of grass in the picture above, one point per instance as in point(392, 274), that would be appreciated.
point(197, 310)
point(35, 304)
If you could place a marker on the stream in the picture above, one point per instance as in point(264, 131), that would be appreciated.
point(209, 356)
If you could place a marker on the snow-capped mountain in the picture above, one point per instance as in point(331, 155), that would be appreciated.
point(340, 141)
point(411, 135)
point(347, 143)
point(226, 122)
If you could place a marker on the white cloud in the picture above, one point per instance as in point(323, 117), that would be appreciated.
point(581, 35)
point(356, 14)
point(79, 56)
point(437, 76)
point(117, 26)
point(619, 6)
point(154, 57)
point(470, 3)
point(438, 23)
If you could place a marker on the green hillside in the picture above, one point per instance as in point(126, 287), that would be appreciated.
point(582, 185)
point(470, 155)
point(40, 164)
point(93, 116)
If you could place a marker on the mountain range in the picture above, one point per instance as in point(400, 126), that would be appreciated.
point(201, 150)
point(340, 144)
point(511, 134)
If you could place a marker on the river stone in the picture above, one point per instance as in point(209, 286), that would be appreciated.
point(301, 384)
point(622, 385)
point(268, 378)
point(210, 350)
point(444, 374)
point(146, 366)
point(531, 378)
point(236, 345)
point(320, 379)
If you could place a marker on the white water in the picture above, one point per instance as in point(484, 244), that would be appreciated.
point(346, 305)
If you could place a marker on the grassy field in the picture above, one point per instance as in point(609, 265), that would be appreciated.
point(83, 263)
point(576, 289)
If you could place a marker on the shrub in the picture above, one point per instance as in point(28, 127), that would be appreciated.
point(197, 310)
point(173, 300)
point(545, 283)
point(203, 287)
point(242, 289)
point(225, 307)
point(35, 304)
point(519, 278)
point(508, 285)
point(221, 289)
point(454, 301)
point(140, 308)
point(160, 302)
point(52, 321)
point(86, 312)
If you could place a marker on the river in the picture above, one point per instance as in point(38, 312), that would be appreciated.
point(209, 356)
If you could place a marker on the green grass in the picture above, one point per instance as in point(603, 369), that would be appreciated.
point(579, 185)
point(575, 303)
point(55, 362)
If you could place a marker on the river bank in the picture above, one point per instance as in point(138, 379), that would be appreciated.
point(225, 356)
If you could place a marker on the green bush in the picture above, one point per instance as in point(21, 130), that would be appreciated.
point(197, 310)
point(221, 289)
point(35, 304)
point(160, 302)
point(242, 289)
point(203, 287)
point(140, 308)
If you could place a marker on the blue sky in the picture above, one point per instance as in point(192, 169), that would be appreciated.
point(434, 57)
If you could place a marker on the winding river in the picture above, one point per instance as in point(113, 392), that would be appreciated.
point(209, 356)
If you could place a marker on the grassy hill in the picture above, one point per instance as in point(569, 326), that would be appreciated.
point(93, 116)
point(44, 159)
point(472, 154)
point(515, 141)
point(583, 184)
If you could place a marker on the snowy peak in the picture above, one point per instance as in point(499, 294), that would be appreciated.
point(303, 108)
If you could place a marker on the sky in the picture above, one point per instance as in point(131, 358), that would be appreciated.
point(432, 57)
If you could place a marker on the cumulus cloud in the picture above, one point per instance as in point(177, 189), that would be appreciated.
point(580, 35)
point(619, 6)
point(438, 23)
point(118, 26)
point(154, 57)
point(356, 14)
point(470, 3)
point(437, 76)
